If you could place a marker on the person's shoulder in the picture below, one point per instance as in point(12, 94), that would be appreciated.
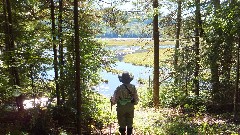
point(132, 85)
point(120, 87)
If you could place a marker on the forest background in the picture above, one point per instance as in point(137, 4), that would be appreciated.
point(199, 95)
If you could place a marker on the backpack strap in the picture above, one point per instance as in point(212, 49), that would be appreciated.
point(130, 93)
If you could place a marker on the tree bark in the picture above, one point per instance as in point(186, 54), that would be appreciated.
point(61, 48)
point(197, 54)
point(236, 83)
point(55, 61)
point(6, 27)
point(179, 22)
point(156, 55)
point(10, 48)
point(77, 68)
point(216, 4)
point(214, 60)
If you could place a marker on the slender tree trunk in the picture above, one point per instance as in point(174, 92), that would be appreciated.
point(236, 85)
point(226, 61)
point(156, 55)
point(55, 61)
point(185, 60)
point(197, 57)
point(10, 46)
point(226, 64)
point(214, 60)
point(77, 66)
point(61, 48)
point(179, 22)
point(216, 4)
point(6, 27)
point(236, 92)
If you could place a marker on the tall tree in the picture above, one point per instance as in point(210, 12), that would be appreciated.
point(179, 21)
point(156, 55)
point(60, 37)
point(236, 97)
point(55, 61)
point(10, 50)
point(197, 54)
point(228, 51)
point(77, 68)
point(214, 57)
point(236, 92)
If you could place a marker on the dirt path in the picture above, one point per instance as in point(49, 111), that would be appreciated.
point(110, 129)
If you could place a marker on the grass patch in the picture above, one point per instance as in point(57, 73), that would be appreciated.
point(166, 121)
point(173, 121)
point(130, 42)
point(146, 58)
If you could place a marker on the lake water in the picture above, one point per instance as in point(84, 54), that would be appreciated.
point(139, 72)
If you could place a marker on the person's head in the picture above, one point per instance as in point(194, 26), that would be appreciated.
point(125, 77)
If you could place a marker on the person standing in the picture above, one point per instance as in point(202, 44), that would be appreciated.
point(125, 96)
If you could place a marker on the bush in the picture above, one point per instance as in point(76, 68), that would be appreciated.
point(145, 97)
point(171, 96)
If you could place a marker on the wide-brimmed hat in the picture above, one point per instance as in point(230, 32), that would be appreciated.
point(125, 77)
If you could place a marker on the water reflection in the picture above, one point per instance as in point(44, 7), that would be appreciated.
point(139, 72)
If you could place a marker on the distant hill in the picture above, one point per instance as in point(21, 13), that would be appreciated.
point(133, 29)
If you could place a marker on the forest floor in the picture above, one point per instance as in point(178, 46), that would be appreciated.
point(169, 121)
point(148, 121)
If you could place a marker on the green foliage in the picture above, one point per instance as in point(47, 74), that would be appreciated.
point(145, 96)
point(220, 49)
point(179, 127)
point(171, 96)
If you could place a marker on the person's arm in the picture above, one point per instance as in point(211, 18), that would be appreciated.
point(114, 98)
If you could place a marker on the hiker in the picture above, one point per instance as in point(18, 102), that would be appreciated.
point(125, 96)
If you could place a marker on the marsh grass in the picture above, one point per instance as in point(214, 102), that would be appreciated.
point(133, 42)
point(146, 58)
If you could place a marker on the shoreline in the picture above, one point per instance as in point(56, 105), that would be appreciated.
point(133, 41)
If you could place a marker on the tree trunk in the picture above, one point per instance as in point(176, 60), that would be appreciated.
point(179, 21)
point(10, 48)
point(55, 61)
point(156, 55)
point(6, 27)
point(197, 54)
point(226, 64)
point(216, 4)
point(214, 60)
point(77, 66)
point(61, 48)
point(227, 59)
point(236, 85)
